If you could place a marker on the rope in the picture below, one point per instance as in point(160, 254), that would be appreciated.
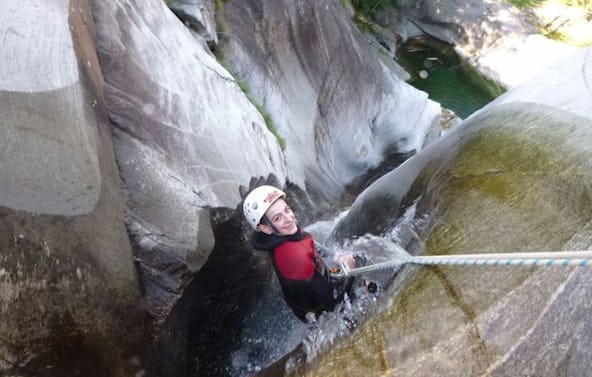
point(546, 258)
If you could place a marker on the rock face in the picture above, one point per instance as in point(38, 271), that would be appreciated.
point(179, 116)
point(513, 177)
point(66, 268)
point(339, 107)
point(199, 14)
point(179, 119)
point(494, 37)
point(119, 124)
point(124, 141)
point(64, 176)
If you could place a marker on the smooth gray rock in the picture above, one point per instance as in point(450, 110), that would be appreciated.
point(341, 107)
point(49, 160)
point(68, 286)
point(564, 86)
point(199, 14)
point(185, 138)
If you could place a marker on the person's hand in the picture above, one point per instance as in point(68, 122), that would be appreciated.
point(334, 270)
point(346, 259)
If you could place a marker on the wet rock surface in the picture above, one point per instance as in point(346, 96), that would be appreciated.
point(68, 286)
point(510, 178)
point(124, 144)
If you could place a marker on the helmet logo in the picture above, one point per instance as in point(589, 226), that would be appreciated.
point(258, 201)
point(271, 197)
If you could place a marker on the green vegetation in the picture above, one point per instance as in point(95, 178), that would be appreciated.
point(266, 116)
point(365, 10)
point(247, 91)
point(218, 12)
point(525, 3)
point(586, 4)
point(369, 7)
point(221, 28)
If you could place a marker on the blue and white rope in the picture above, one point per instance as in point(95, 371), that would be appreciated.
point(581, 258)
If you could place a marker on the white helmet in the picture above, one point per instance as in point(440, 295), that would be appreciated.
point(258, 201)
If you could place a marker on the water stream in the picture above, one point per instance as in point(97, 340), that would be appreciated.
point(302, 344)
point(252, 327)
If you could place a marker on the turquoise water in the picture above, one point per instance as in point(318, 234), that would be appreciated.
point(449, 82)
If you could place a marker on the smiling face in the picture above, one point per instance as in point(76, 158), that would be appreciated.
point(281, 216)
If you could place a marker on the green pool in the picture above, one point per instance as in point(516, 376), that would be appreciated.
point(437, 70)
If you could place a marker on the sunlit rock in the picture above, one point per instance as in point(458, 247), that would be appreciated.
point(496, 38)
point(49, 153)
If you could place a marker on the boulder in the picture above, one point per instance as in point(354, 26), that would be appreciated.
point(68, 286)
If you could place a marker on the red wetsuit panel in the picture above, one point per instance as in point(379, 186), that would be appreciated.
point(296, 259)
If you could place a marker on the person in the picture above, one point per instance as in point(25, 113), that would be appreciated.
point(307, 285)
